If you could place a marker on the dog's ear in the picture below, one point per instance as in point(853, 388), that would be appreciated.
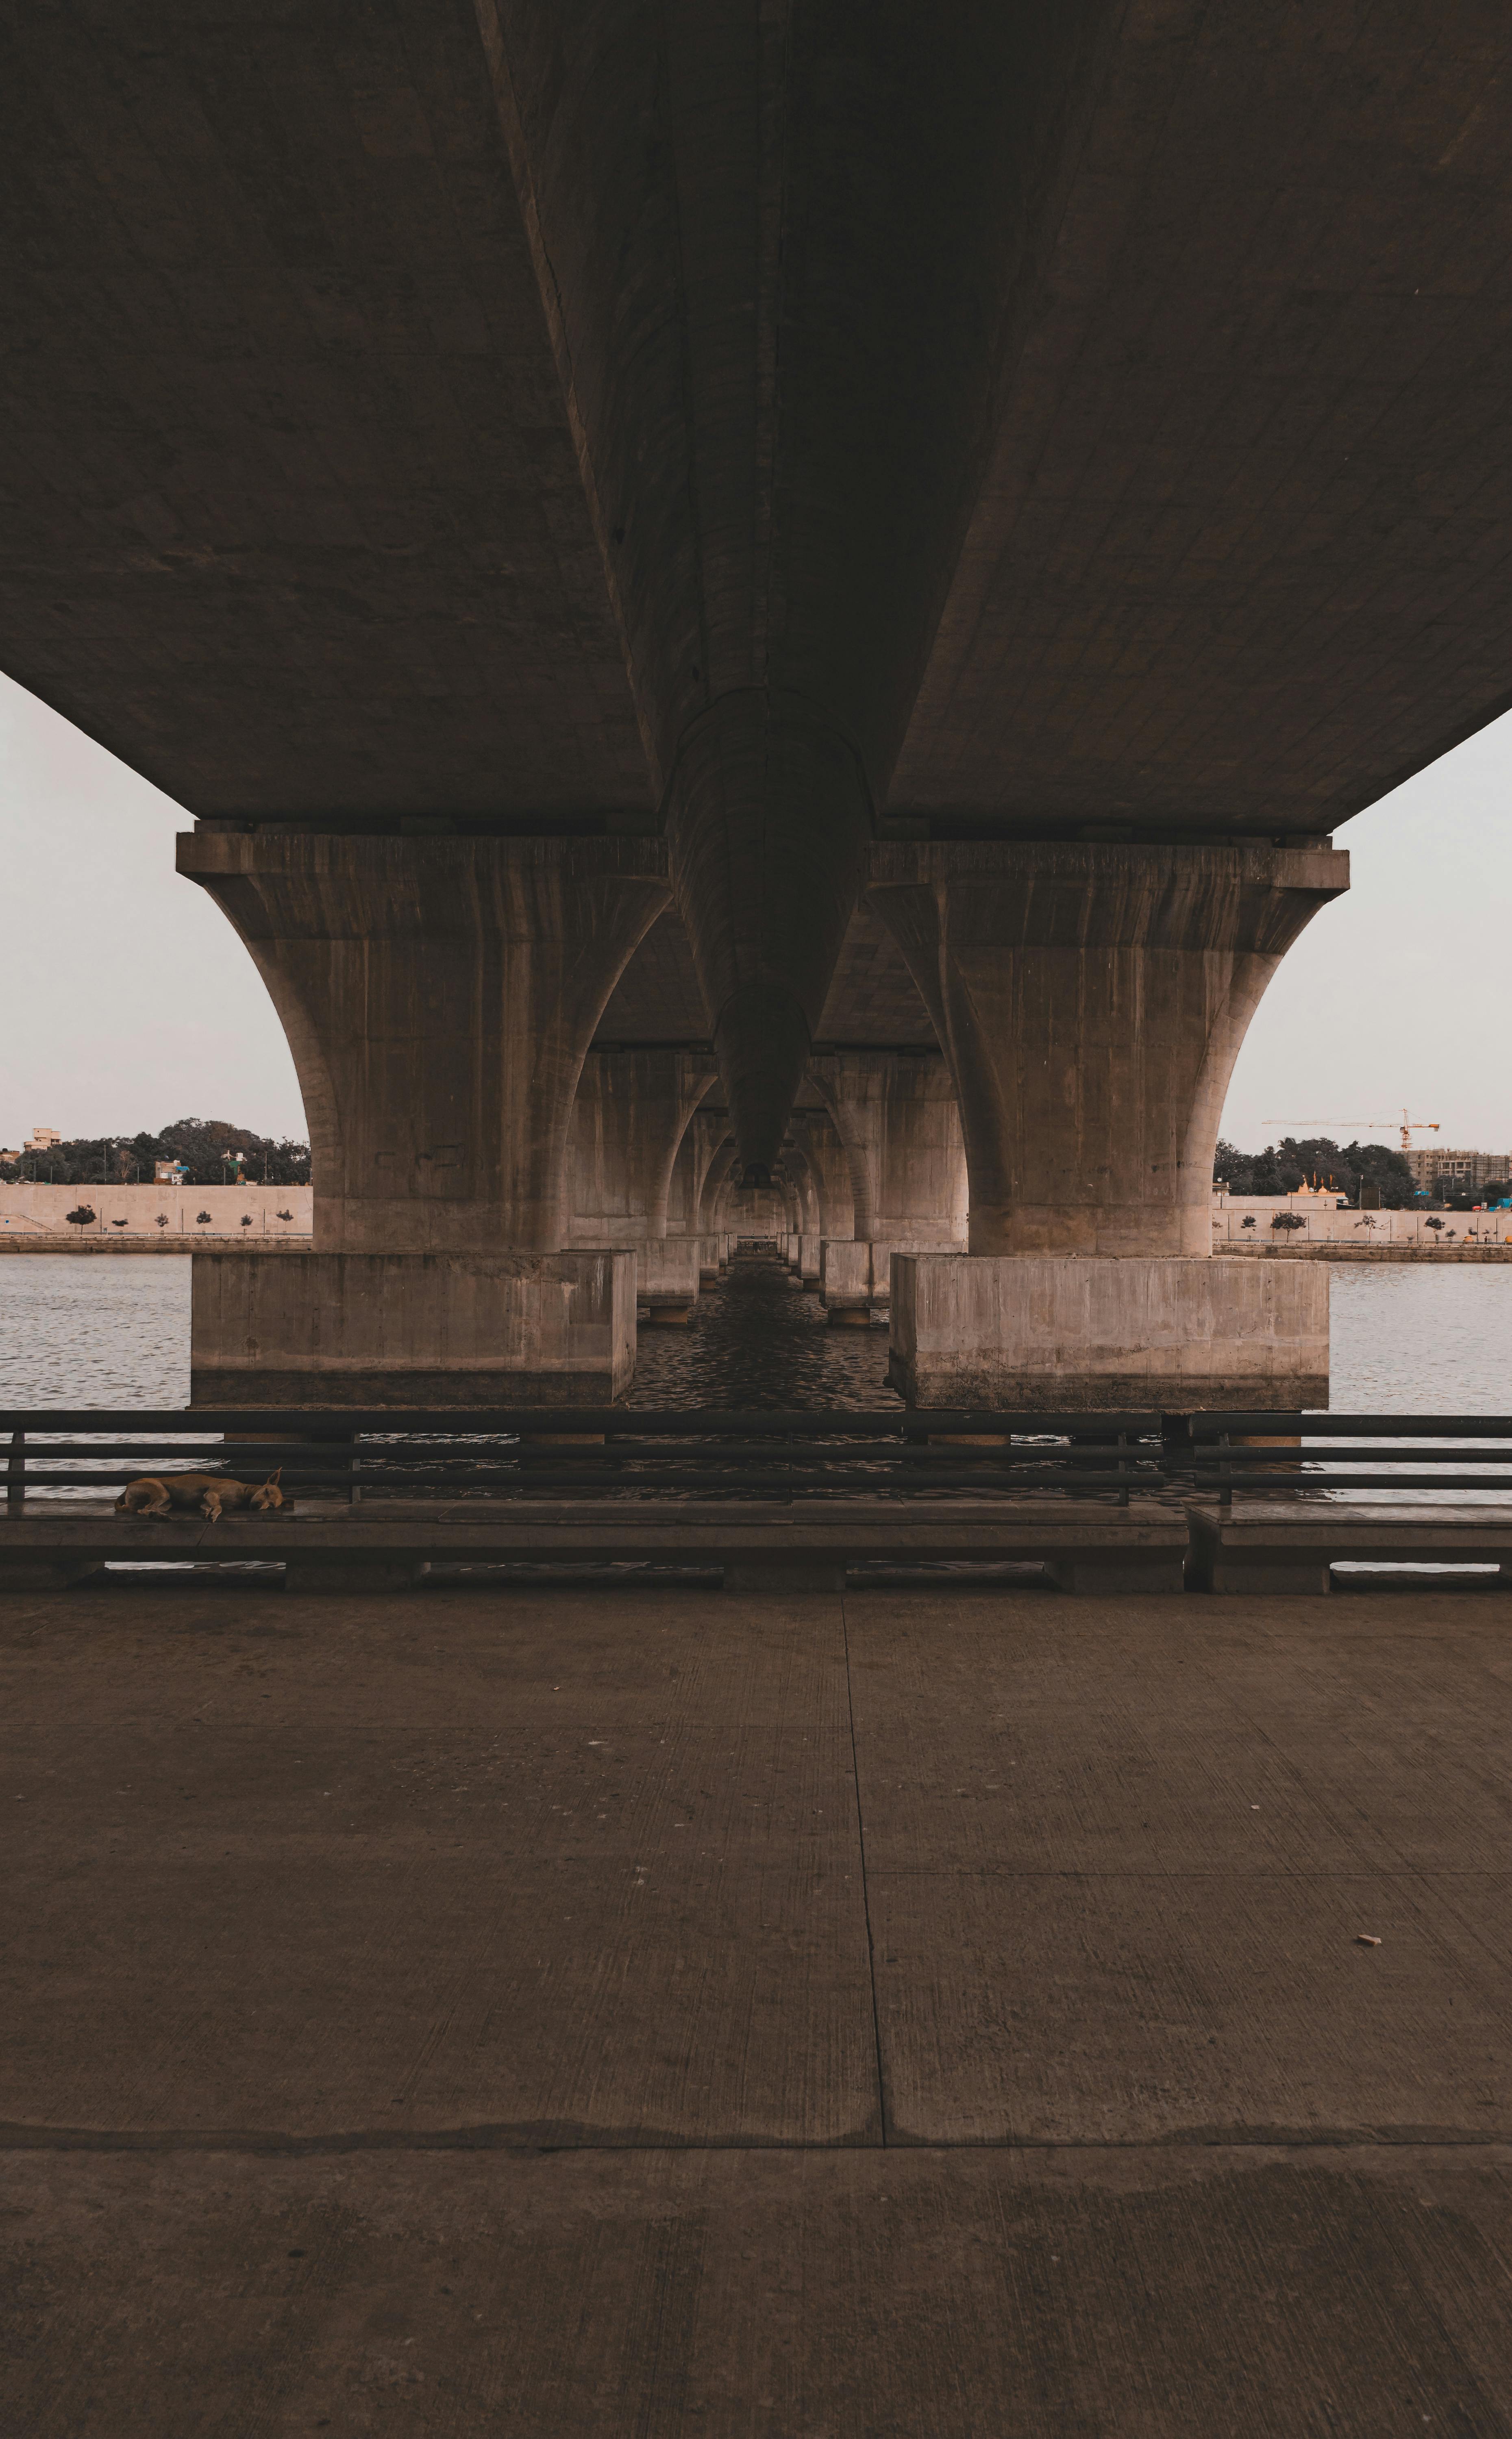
point(274, 1479)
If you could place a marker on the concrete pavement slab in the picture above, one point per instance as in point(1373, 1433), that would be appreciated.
point(468, 2012)
point(1151, 2293)
point(1137, 2006)
point(495, 1864)
point(1118, 1861)
point(1143, 1733)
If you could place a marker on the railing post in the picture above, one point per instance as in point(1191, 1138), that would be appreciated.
point(1123, 1470)
point(16, 1474)
point(1225, 1472)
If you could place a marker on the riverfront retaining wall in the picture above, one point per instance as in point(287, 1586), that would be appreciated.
point(127, 1217)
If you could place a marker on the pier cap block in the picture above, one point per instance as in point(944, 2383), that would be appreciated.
point(1064, 1332)
point(413, 1329)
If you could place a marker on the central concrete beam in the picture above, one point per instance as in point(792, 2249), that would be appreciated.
point(777, 250)
point(768, 826)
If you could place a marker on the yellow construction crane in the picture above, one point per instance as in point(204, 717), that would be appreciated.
point(1408, 1127)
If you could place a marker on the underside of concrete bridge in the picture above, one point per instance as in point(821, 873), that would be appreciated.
point(776, 534)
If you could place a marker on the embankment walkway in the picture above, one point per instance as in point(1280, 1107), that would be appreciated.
point(921, 2013)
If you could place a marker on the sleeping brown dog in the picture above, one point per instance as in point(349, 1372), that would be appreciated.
point(213, 1494)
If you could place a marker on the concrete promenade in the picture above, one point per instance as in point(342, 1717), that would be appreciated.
point(897, 2013)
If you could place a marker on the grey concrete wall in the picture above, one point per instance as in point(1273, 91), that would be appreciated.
point(1064, 1333)
point(33, 1208)
point(751, 1211)
point(1322, 1223)
point(668, 1271)
point(413, 1329)
point(844, 1276)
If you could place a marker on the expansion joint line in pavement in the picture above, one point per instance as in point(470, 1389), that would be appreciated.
point(866, 1893)
point(1336, 2143)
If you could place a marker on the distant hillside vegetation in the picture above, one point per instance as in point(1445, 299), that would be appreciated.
point(200, 1144)
point(1283, 1167)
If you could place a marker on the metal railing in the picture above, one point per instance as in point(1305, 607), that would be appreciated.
point(1225, 1452)
point(450, 1453)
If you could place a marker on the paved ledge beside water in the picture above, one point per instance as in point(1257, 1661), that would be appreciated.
point(83, 1241)
point(921, 2013)
point(1437, 1255)
point(249, 1241)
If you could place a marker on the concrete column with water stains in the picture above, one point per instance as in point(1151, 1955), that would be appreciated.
point(1091, 1000)
point(895, 1115)
point(439, 994)
point(632, 1109)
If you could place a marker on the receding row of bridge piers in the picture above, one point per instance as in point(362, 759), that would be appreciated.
point(498, 1194)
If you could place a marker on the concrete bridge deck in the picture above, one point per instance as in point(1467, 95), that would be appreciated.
point(879, 2014)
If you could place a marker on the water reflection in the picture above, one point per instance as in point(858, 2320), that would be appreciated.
point(114, 1330)
point(758, 1340)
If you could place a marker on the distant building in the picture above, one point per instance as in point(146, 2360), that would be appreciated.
point(169, 1172)
point(42, 1139)
point(1452, 1170)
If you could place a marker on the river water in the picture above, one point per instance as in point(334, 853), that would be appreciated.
point(114, 1330)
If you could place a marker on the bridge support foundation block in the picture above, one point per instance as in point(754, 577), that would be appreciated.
point(844, 1281)
point(1075, 1333)
point(413, 1329)
point(668, 1281)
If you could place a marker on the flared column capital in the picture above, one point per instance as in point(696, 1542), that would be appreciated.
point(1090, 999)
point(439, 995)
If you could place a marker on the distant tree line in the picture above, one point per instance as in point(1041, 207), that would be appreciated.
point(200, 1144)
point(1293, 1161)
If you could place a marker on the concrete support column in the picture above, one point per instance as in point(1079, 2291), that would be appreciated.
point(830, 1166)
point(747, 1211)
point(439, 995)
point(1091, 1000)
point(719, 1160)
point(681, 1203)
point(895, 1117)
point(796, 1174)
point(628, 1123)
point(702, 1165)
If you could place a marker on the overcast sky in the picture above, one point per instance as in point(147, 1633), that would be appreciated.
point(126, 1000)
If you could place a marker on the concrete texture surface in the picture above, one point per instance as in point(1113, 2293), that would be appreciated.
point(903, 2013)
point(448, 1330)
point(1091, 1002)
point(630, 1116)
point(939, 428)
point(407, 972)
point(1044, 1333)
